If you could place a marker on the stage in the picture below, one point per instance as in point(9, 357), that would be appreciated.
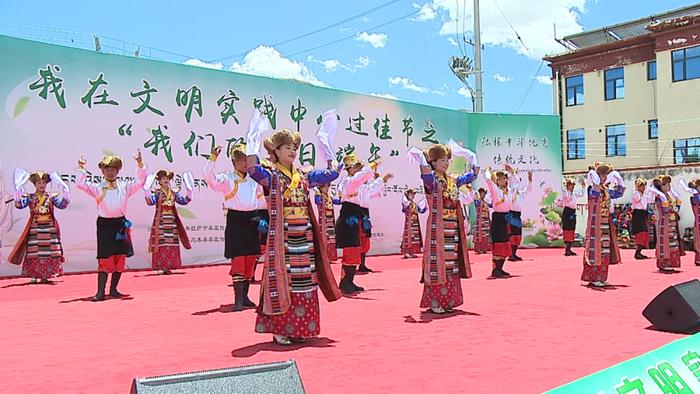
point(532, 332)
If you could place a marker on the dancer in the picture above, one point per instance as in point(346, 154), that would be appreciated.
point(412, 238)
point(501, 219)
point(243, 200)
point(482, 231)
point(517, 193)
point(326, 218)
point(466, 198)
point(446, 258)
point(693, 187)
point(366, 193)
point(38, 248)
point(350, 228)
point(113, 228)
point(295, 261)
point(568, 201)
point(600, 245)
point(669, 248)
point(167, 231)
point(640, 217)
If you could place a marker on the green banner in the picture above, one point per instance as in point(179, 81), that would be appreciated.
point(61, 103)
point(674, 368)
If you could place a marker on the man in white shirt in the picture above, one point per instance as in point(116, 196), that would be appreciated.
point(245, 220)
point(518, 193)
point(641, 198)
point(569, 198)
point(370, 190)
point(349, 227)
point(113, 229)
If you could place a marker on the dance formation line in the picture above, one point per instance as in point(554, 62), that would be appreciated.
point(270, 215)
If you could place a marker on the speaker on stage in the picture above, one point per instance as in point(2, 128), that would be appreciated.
point(676, 309)
point(280, 377)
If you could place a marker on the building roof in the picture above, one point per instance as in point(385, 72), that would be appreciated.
point(625, 30)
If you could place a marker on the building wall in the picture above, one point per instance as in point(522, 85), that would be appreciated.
point(679, 107)
point(637, 106)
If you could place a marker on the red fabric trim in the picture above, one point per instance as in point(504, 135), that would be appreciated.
point(642, 239)
point(501, 249)
point(569, 235)
point(111, 264)
point(243, 266)
point(352, 255)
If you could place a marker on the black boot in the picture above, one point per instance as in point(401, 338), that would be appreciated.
point(638, 255)
point(347, 285)
point(246, 301)
point(500, 268)
point(513, 255)
point(572, 253)
point(113, 292)
point(568, 251)
point(101, 283)
point(496, 271)
point(363, 267)
point(238, 292)
point(352, 280)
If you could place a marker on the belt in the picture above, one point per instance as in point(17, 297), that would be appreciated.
point(291, 212)
point(42, 218)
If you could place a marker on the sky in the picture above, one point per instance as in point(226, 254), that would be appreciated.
point(392, 48)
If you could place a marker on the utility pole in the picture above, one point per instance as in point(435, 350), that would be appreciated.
point(479, 99)
point(463, 67)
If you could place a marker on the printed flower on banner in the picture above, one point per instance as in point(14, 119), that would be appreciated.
point(549, 233)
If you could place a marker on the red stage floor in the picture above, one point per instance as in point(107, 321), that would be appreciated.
point(526, 334)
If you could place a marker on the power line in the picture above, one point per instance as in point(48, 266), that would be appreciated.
point(351, 35)
point(62, 31)
point(523, 98)
point(240, 54)
point(511, 26)
point(459, 41)
point(660, 123)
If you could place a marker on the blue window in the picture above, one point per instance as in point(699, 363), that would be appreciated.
point(615, 83)
point(651, 70)
point(575, 144)
point(686, 63)
point(686, 151)
point(653, 128)
point(574, 90)
point(615, 140)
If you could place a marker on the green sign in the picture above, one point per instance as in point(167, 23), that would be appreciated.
point(672, 369)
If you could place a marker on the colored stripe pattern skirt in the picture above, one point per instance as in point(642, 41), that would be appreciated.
point(411, 242)
point(303, 317)
point(449, 294)
point(599, 272)
point(168, 255)
point(44, 258)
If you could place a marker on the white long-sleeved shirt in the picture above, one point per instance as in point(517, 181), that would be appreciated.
point(641, 200)
point(569, 199)
point(518, 193)
point(466, 198)
point(501, 201)
point(241, 192)
point(349, 187)
point(370, 190)
point(111, 197)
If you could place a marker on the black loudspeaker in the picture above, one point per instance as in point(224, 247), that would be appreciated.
point(280, 377)
point(676, 309)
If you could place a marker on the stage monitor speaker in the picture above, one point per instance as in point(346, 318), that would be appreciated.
point(280, 377)
point(676, 309)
